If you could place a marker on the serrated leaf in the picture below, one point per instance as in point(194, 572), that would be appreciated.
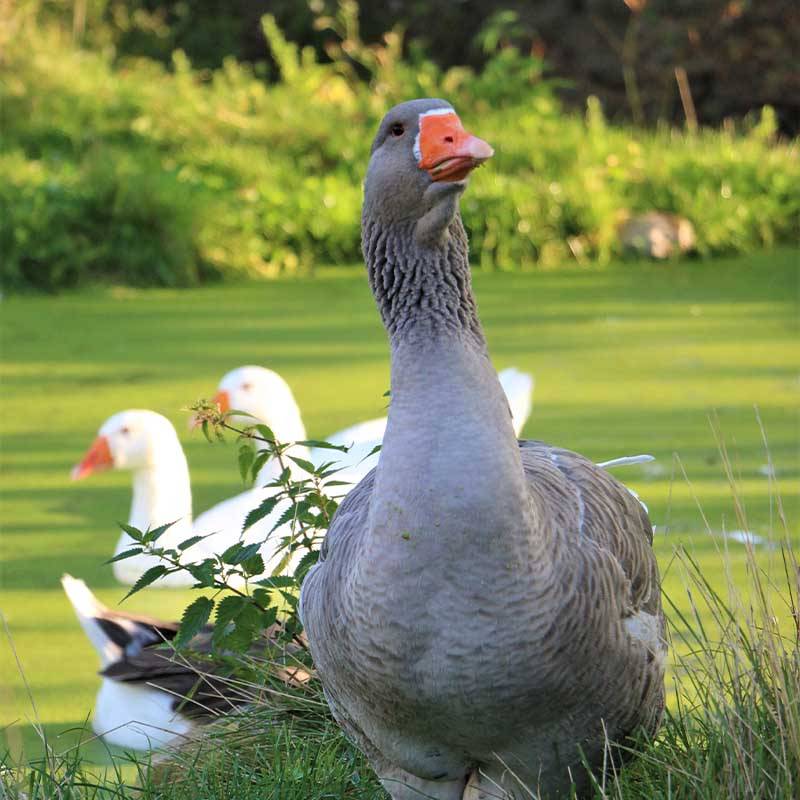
point(277, 582)
point(254, 565)
point(237, 412)
point(246, 458)
point(230, 553)
point(258, 513)
point(268, 617)
point(134, 533)
point(134, 551)
point(372, 452)
point(154, 534)
point(203, 572)
point(227, 610)
point(265, 432)
point(187, 543)
point(245, 626)
point(287, 515)
point(148, 577)
point(291, 598)
point(258, 462)
point(305, 564)
point(194, 618)
point(303, 464)
point(237, 553)
point(322, 445)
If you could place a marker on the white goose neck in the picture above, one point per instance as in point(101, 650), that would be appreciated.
point(286, 422)
point(162, 494)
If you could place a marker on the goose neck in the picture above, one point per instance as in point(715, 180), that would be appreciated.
point(162, 494)
point(423, 289)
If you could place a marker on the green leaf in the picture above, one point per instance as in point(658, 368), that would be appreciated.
point(134, 533)
point(287, 515)
point(238, 552)
point(265, 432)
point(204, 426)
point(306, 562)
point(227, 610)
point(303, 464)
point(203, 572)
point(134, 551)
point(246, 456)
point(154, 534)
point(187, 543)
point(194, 618)
point(152, 574)
point(258, 462)
point(253, 565)
point(372, 452)
point(277, 582)
point(343, 448)
point(236, 412)
point(236, 623)
point(262, 510)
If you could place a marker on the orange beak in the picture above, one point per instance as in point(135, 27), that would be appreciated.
point(445, 149)
point(223, 400)
point(97, 458)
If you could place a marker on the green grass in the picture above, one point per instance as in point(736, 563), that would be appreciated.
point(627, 360)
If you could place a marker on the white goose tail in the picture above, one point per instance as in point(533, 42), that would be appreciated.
point(89, 611)
point(518, 387)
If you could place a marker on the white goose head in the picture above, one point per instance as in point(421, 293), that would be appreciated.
point(135, 439)
point(265, 396)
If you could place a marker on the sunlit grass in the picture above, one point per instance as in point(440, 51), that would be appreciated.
point(627, 360)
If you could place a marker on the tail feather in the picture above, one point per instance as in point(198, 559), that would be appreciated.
point(89, 611)
point(518, 387)
point(113, 634)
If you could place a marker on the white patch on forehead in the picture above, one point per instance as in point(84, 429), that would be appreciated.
point(434, 112)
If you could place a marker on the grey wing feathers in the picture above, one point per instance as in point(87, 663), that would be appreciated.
point(608, 515)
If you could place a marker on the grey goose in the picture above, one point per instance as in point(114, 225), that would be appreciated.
point(487, 612)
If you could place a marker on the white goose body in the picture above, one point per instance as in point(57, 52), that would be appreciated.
point(131, 714)
point(149, 696)
point(485, 610)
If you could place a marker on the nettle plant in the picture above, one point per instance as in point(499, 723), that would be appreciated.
point(246, 603)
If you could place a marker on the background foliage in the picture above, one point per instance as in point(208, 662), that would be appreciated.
point(127, 169)
point(737, 53)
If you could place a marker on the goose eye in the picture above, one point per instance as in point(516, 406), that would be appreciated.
point(247, 387)
point(397, 129)
point(125, 430)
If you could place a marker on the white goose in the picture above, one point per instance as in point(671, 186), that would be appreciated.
point(141, 703)
point(146, 443)
point(485, 612)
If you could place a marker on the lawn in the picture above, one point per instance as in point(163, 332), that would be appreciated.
point(629, 359)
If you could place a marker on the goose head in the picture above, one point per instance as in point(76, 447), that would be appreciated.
point(265, 397)
point(420, 161)
point(129, 440)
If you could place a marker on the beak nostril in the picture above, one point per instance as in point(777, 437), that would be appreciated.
point(449, 139)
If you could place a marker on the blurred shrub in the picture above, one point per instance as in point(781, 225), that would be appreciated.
point(125, 170)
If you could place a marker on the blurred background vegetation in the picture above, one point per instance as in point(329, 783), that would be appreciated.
point(171, 143)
